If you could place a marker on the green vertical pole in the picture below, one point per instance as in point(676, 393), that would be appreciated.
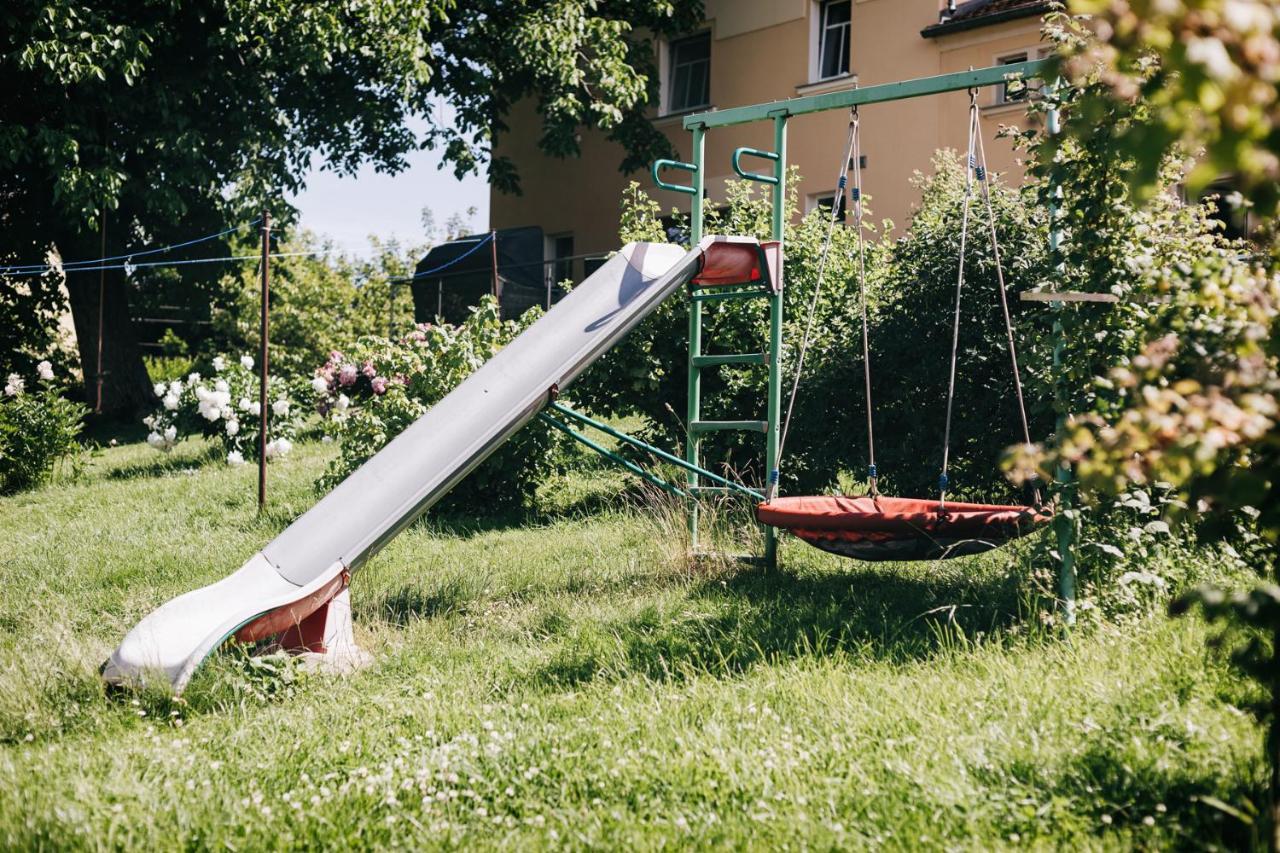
point(1064, 524)
point(693, 411)
point(775, 327)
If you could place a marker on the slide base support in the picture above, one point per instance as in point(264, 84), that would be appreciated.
point(325, 640)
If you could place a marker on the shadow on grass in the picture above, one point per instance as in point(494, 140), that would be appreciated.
point(167, 464)
point(727, 625)
point(404, 605)
point(1117, 784)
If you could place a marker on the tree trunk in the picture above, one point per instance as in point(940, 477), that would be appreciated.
point(126, 388)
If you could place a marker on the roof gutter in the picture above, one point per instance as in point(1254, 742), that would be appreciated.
point(946, 28)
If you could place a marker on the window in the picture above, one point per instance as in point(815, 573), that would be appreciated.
point(833, 39)
point(561, 268)
point(1009, 92)
point(690, 77)
point(825, 202)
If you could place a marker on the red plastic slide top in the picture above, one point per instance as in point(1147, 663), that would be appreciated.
point(738, 263)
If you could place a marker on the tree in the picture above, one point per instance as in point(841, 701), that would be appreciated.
point(1199, 406)
point(130, 123)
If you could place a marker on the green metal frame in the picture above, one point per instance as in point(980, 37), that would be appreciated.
point(693, 470)
point(778, 112)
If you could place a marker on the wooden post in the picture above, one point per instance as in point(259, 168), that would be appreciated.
point(264, 410)
point(102, 297)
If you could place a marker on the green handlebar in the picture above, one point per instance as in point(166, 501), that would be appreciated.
point(659, 165)
point(752, 176)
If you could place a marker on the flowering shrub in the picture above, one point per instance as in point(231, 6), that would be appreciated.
point(225, 408)
point(378, 387)
point(38, 429)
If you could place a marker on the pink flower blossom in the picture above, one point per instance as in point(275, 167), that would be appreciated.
point(369, 370)
point(379, 385)
point(347, 375)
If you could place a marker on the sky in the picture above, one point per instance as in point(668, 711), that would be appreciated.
point(349, 209)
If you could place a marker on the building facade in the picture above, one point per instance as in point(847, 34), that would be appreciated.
point(749, 51)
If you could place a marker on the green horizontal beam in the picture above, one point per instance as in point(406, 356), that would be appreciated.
point(735, 358)
point(720, 295)
point(661, 454)
point(958, 81)
point(613, 457)
point(745, 426)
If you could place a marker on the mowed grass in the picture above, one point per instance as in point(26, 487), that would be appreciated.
point(571, 681)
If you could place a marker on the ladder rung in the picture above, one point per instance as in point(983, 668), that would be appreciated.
point(712, 426)
point(718, 295)
point(735, 358)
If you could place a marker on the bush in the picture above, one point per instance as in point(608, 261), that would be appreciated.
point(224, 409)
point(319, 302)
point(375, 389)
point(911, 337)
point(38, 430)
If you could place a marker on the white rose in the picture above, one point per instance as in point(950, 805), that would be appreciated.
point(175, 387)
point(280, 407)
point(283, 446)
point(219, 363)
point(155, 439)
point(246, 361)
point(235, 458)
point(211, 413)
point(149, 421)
point(44, 370)
point(221, 385)
point(342, 403)
point(319, 385)
point(245, 405)
point(271, 450)
point(193, 378)
point(170, 402)
point(171, 434)
point(233, 427)
point(160, 389)
point(13, 385)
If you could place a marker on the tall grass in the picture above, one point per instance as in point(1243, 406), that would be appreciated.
point(577, 680)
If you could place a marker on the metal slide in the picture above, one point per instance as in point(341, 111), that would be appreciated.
point(310, 563)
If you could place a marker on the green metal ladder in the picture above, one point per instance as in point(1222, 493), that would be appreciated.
point(772, 356)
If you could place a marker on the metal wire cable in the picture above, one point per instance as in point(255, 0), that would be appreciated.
point(955, 329)
point(813, 302)
point(72, 266)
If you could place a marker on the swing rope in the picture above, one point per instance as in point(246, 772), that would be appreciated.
point(976, 167)
point(1004, 299)
point(970, 162)
point(836, 203)
point(856, 164)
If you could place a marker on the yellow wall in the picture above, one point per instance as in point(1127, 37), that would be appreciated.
point(759, 52)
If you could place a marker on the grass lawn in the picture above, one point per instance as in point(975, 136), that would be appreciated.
point(569, 681)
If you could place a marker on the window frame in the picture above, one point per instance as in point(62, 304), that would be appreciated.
point(824, 29)
point(670, 66)
point(824, 200)
point(1001, 90)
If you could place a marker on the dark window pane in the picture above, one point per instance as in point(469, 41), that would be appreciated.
point(1008, 91)
point(833, 48)
point(825, 203)
point(691, 73)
